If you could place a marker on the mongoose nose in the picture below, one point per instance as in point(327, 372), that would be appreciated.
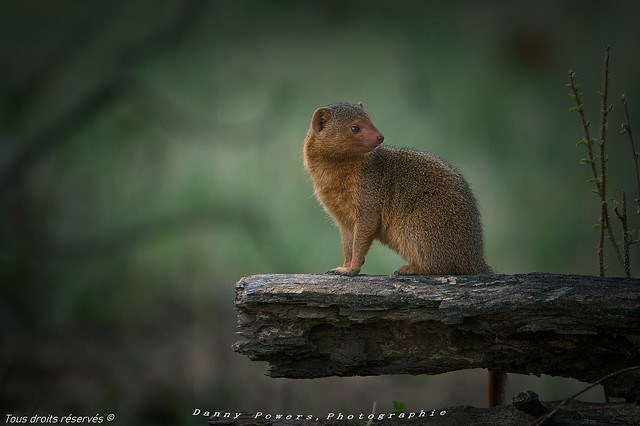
point(380, 138)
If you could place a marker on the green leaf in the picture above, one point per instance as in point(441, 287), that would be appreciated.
point(597, 226)
point(582, 141)
point(614, 202)
point(576, 108)
point(586, 161)
point(399, 407)
point(594, 180)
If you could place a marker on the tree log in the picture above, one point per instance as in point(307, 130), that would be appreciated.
point(308, 326)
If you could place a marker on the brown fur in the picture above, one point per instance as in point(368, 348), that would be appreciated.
point(411, 201)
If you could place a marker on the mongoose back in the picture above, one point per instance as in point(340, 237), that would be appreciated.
point(411, 201)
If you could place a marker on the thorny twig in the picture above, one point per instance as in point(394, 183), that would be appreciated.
point(626, 128)
point(627, 239)
point(598, 179)
point(604, 209)
point(590, 160)
point(604, 219)
point(627, 236)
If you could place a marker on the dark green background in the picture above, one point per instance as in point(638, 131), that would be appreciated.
point(151, 155)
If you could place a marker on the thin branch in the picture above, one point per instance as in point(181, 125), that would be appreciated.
point(605, 221)
point(627, 239)
point(604, 211)
point(626, 128)
point(579, 108)
point(599, 179)
point(590, 160)
point(604, 111)
point(542, 420)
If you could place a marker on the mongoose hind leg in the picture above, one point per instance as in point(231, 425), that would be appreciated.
point(410, 270)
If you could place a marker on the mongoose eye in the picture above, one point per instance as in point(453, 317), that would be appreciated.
point(355, 129)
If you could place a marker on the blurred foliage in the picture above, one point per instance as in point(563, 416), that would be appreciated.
point(150, 155)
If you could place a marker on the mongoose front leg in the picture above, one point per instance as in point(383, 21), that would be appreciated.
point(363, 234)
point(346, 236)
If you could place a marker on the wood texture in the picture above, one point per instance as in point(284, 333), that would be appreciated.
point(308, 326)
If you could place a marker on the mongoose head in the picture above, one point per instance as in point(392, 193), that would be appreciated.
point(342, 130)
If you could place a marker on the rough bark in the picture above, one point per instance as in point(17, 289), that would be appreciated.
point(309, 326)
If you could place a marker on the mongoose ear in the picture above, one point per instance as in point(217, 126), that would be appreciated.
point(361, 105)
point(319, 120)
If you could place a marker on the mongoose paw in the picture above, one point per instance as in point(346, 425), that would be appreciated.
point(343, 271)
point(407, 270)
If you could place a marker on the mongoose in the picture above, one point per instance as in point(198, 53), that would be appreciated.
point(411, 201)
